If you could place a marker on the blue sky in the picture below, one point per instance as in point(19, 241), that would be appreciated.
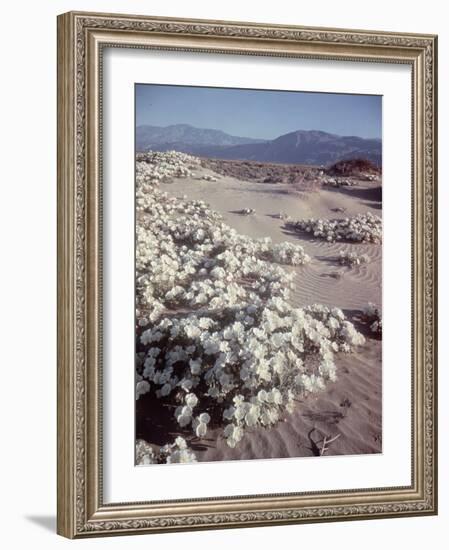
point(259, 113)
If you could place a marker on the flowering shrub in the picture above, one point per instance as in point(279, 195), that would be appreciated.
point(153, 167)
point(245, 364)
point(366, 228)
point(352, 259)
point(339, 182)
point(373, 316)
point(171, 453)
point(142, 386)
point(247, 211)
point(216, 333)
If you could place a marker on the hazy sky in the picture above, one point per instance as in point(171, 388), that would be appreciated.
point(259, 113)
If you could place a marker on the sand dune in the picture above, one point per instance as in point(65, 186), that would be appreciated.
point(316, 282)
point(351, 407)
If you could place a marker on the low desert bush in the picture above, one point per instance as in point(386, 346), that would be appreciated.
point(363, 228)
point(352, 259)
point(171, 453)
point(373, 316)
point(352, 167)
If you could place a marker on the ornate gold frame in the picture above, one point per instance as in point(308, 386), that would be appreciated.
point(81, 37)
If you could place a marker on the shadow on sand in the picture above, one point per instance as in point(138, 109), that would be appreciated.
point(367, 194)
point(355, 316)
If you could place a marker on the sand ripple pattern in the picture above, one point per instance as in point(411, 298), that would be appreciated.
point(325, 281)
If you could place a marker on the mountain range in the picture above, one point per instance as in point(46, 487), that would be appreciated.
point(299, 147)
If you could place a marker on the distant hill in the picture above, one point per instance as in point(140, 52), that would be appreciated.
point(185, 134)
point(300, 147)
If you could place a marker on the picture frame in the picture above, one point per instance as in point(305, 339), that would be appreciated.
point(82, 40)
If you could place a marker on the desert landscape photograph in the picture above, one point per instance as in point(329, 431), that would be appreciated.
point(258, 286)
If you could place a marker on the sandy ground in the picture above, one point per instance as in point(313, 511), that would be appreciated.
point(351, 407)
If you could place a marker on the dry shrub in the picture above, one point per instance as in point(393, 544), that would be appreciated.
point(353, 167)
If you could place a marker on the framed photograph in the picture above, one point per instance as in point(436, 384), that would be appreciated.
point(246, 274)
